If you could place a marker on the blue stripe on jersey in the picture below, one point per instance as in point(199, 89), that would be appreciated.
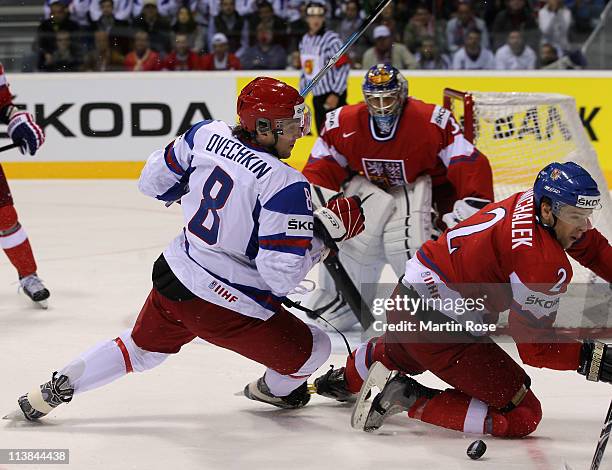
point(253, 245)
point(430, 264)
point(171, 161)
point(264, 298)
point(190, 134)
point(285, 244)
point(465, 158)
point(292, 199)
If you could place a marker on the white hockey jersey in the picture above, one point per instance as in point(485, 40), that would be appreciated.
point(248, 238)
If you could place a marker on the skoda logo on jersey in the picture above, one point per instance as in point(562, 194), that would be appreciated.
point(587, 202)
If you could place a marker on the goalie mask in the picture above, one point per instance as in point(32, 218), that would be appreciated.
point(269, 105)
point(385, 91)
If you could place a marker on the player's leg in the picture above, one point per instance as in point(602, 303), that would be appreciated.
point(157, 333)
point(15, 243)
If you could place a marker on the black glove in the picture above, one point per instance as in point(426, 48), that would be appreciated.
point(596, 361)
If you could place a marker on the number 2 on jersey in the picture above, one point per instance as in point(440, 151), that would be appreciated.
point(498, 214)
point(210, 205)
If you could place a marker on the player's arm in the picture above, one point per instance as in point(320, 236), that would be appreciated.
point(468, 170)
point(326, 166)
point(594, 252)
point(165, 175)
point(288, 246)
point(532, 315)
point(22, 129)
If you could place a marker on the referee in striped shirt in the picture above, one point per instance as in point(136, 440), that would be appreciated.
point(316, 48)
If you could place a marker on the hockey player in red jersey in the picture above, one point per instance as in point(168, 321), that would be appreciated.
point(249, 239)
point(13, 239)
point(510, 255)
point(407, 156)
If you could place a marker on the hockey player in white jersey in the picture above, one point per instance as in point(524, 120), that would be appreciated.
point(247, 242)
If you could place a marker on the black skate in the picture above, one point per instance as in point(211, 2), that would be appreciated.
point(398, 395)
point(40, 401)
point(333, 385)
point(259, 391)
point(35, 290)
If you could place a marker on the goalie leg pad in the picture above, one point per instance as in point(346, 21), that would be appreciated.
point(410, 224)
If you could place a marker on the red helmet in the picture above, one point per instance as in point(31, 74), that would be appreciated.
point(268, 104)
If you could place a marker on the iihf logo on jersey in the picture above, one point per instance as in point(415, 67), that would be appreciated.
point(222, 292)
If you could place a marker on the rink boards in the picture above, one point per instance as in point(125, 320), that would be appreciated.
point(106, 125)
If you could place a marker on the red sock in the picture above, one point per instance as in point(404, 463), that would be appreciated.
point(22, 258)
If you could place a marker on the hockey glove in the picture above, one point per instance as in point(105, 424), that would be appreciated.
point(463, 209)
point(25, 132)
point(596, 361)
point(340, 219)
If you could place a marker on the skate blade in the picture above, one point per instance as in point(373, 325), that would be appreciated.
point(43, 304)
point(16, 415)
point(378, 376)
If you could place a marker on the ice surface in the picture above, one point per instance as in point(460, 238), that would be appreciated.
point(95, 242)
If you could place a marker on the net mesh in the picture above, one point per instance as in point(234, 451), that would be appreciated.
point(521, 133)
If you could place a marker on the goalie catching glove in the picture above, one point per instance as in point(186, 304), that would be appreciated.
point(596, 361)
point(340, 219)
point(463, 209)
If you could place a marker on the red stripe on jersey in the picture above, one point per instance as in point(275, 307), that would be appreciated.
point(299, 242)
point(126, 355)
point(171, 159)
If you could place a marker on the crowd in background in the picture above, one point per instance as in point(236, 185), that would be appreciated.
point(150, 35)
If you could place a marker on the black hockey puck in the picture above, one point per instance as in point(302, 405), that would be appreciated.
point(476, 449)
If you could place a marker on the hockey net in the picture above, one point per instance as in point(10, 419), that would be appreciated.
point(520, 133)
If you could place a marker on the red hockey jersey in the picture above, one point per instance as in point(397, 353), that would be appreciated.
point(426, 140)
point(503, 254)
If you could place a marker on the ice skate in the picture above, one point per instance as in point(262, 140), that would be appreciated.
point(34, 288)
point(259, 391)
point(40, 401)
point(333, 385)
point(398, 394)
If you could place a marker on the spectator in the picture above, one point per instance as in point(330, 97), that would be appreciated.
point(232, 25)
point(64, 58)
point(555, 20)
point(387, 17)
point(142, 58)
point(515, 54)
point(122, 10)
point(264, 54)
point(220, 58)
point(385, 51)
point(185, 24)
point(351, 21)
point(288, 10)
point(246, 7)
point(465, 21)
point(517, 16)
point(182, 57)
point(422, 24)
point(119, 32)
point(265, 14)
point(157, 27)
point(473, 56)
point(429, 57)
point(103, 58)
point(297, 29)
point(548, 56)
point(585, 13)
point(165, 8)
point(47, 30)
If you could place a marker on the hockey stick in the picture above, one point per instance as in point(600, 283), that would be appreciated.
point(349, 42)
point(8, 147)
point(603, 440)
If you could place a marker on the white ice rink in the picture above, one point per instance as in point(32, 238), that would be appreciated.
point(95, 243)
